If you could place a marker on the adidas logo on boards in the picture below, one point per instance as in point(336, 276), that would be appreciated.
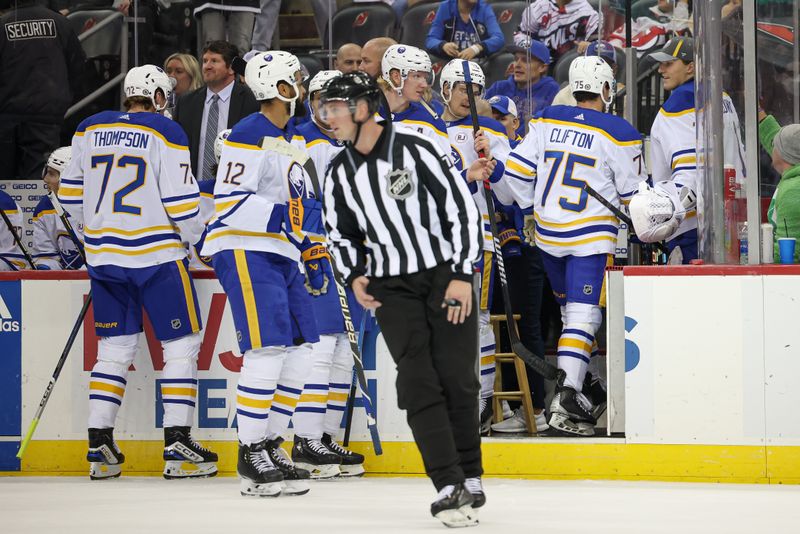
point(580, 117)
point(7, 322)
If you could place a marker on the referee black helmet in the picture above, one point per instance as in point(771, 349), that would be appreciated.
point(351, 88)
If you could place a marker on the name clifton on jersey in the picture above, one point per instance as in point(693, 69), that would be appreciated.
point(573, 137)
point(121, 138)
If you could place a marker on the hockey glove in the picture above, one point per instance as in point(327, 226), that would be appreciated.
point(509, 242)
point(317, 264)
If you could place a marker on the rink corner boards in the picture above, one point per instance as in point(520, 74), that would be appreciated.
point(525, 458)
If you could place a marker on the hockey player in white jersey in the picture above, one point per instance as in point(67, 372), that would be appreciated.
point(668, 209)
point(11, 257)
point(256, 240)
point(406, 73)
point(566, 148)
point(493, 142)
point(53, 247)
point(319, 413)
point(130, 185)
point(196, 260)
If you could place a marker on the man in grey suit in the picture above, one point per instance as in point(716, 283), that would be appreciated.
point(218, 106)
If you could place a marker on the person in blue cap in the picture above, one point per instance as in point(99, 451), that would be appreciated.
point(504, 111)
point(529, 86)
point(605, 50)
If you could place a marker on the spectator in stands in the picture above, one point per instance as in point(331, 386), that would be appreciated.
point(784, 209)
point(529, 86)
point(186, 71)
point(596, 48)
point(348, 58)
point(41, 61)
point(559, 24)
point(464, 29)
point(653, 23)
point(219, 105)
point(229, 20)
point(372, 54)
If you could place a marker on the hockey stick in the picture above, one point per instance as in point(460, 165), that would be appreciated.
point(17, 240)
point(351, 398)
point(538, 364)
point(618, 213)
point(70, 340)
point(369, 407)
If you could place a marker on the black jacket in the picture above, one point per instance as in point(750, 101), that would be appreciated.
point(41, 61)
point(189, 114)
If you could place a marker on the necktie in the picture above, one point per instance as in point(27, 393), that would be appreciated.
point(209, 161)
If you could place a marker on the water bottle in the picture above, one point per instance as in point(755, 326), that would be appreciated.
point(743, 255)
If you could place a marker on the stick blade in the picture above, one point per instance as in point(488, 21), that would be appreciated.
point(376, 440)
point(539, 365)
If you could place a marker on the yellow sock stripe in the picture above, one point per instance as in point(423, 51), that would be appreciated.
point(249, 298)
point(286, 401)
point(322, 399)
point(487, 360)
point(575, 344)
point(102, 386)
point(263, 404)
point(189, 296)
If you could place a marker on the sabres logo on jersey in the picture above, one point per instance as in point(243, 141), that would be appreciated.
point(399, 185)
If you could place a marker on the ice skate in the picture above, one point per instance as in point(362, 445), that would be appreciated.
point(295, 480)
point(104, 456)
point(258, 475)
point(184, 457)
point(595, 389)
point(486, 412)
point(453, 507)
point(313, 456)
point(570, 411)
point(352, 462)
point(475, 487)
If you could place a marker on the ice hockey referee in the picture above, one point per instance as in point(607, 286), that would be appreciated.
point(405, 234)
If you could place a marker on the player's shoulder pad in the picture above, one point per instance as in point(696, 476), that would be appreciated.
point(312, 134)
point(6, 202)
point(206, 186)
point(171, 131)
point(680, 100)
point(612, 126)
point(251, 129)
point(44, 204)
point(104, 117)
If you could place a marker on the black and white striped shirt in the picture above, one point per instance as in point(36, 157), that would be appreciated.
point(402, 209)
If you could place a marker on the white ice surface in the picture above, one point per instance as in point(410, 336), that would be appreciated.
point(377, 505)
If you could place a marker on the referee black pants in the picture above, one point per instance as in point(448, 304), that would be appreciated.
point(437, 381)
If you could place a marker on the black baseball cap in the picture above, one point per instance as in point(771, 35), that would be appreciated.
point(677, 48)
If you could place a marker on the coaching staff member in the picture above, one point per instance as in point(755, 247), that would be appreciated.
point(405, 234)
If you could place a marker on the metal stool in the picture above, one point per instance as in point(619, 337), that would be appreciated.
point(524, 393)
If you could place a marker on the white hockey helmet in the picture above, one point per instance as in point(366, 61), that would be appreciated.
point(320, 79)
point(146, 80)
point(218, 142)
point(453, 72)
point(590, 74)
point(266, 70)
point(59, 159)
point(405, 59)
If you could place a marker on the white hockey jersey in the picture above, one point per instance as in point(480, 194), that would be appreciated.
point(197, 260)
point(320, 147)
point(567, 147)
point(673, 145)
point(52, 244)
point(130, 184)
point(462, 142)
point(253, 188)
point(420, 120)
point(11, 257)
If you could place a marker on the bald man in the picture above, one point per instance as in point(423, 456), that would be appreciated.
point(372, 54)
point(348, 58)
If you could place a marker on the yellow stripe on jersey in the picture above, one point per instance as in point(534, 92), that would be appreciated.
point(316, 142)
point(685, 159)
point(423, 123)
point(216, 234)
point(109, 229)
point(111, 250)
point(587, 127)
point(249, 297)
point(137, 127)
point(188, 294)
point(485, 129)
point(43, 213)
point(516, 167)
point(64, 191)
point(180, 208)
point(241, 145)
point(675, 114)
point(540, 239)
point(597, 218)
point(10, 212)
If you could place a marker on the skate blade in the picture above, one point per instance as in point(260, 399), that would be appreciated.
point(101, 471)
point(351, 471)
point(320, 472)
point(176, 469)
point(560, 423)
point(248, 488)
point(290, 488)
point(465, 516)
point(598, 410)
